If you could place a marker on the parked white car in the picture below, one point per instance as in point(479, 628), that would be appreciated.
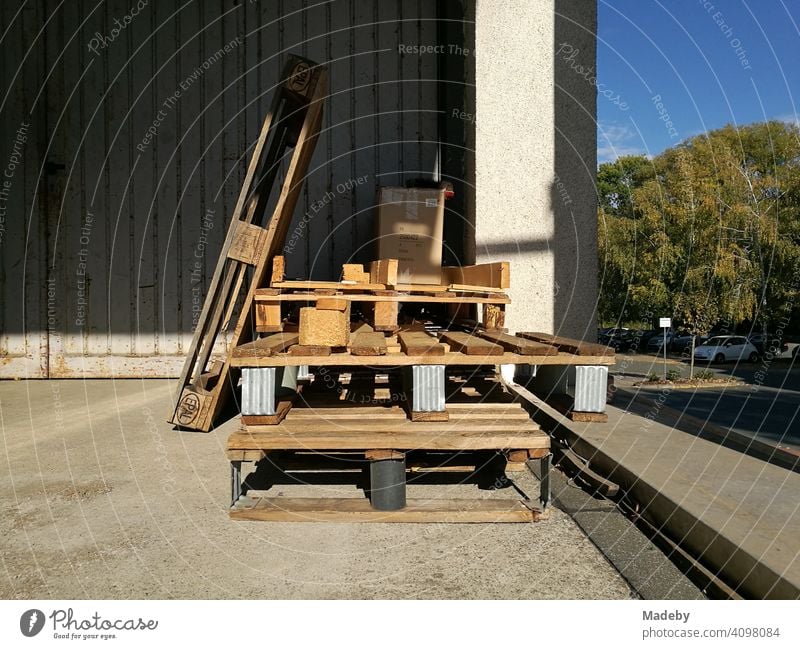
point(726, 348)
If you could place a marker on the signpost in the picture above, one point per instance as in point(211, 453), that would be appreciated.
point(665, 323)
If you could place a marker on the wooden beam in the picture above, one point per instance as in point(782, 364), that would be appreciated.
point(359, 510)
point(569, 345)
point(368, 344)
point(493, 275)
point(332, 304)
point(264, 347)
point(517, 345)
point(419, 343)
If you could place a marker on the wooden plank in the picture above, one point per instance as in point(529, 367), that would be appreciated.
point(359, 510)
point(404, 359)
point(383, 271)
point(278, 269)
point(281, 410)
point(375, 455)
point(310, 350)
point(419, 343)
point(473, 288)
point(393, 296)
point(419, 415)
point(332, 304)
point(368, 344)
point(267, 347)
point(339, 286)
point(494, 275)
point(517, 345)
point(425, 435)
point(470, 345)
point(570, 345)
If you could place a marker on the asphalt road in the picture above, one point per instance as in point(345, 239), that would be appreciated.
point(767, 406)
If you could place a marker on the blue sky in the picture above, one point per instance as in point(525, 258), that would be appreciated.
point(711, 63)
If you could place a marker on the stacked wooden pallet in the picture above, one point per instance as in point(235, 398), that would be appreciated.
point(487, 431)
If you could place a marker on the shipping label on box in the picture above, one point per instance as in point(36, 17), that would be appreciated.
point(409, 229)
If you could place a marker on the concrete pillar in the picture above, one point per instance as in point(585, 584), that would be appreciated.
point(532, 157)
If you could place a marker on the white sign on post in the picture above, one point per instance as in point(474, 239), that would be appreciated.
point(665, 323)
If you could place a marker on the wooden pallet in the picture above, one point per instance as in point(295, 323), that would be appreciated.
point(416, 347)
point(293, 122)
point(327, 432)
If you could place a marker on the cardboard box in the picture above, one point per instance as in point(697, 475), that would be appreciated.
point(409, 229)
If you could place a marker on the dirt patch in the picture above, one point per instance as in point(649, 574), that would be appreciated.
point(78, 492)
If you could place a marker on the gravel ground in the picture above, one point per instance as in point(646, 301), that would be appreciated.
point(102, 499)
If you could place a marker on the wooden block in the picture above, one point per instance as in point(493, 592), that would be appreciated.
point(419, 415)
point(470, 345)
point(359, 510)
point(324, 327)
point(268, 317)
point(588, 417)
point(494, 316)
point(355, 273)
point(385, 316)
point(281, 410)
point(368, 344)
point(419, 343)
point(309, 350)
point(517, 456)
point(278, 269)
point(193, 408)
point(332, 304)
point(383, 454)
point(383, 271)
point(518, 345)
point(248, 243)
point(493, 275)
point(361, 328)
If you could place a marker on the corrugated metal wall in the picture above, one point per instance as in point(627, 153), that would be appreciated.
point(140, 118)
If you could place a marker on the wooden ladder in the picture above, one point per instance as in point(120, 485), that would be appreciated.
point(293, 121)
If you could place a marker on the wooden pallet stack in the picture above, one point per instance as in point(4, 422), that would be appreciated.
point(379, 370)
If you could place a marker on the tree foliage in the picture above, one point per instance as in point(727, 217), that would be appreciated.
point(708, 231)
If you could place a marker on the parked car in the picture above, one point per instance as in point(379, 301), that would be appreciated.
point(726, 348)
point(768, 343)
point(656, 343)
point(607, 334)
point(683, 342)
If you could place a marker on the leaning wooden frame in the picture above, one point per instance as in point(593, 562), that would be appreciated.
point(293, 122)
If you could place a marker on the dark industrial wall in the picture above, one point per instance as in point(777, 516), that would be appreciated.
point(127, 127)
